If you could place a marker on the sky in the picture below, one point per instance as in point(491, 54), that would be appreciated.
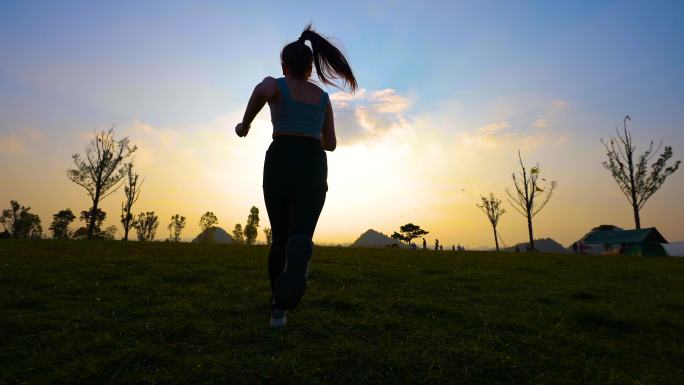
point(449, 92)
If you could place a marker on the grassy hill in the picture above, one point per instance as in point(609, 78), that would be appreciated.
point(114, 312)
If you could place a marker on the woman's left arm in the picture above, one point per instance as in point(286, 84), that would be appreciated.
point(328, 138)
point(263, 92)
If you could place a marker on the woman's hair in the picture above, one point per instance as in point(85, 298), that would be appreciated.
point(329, 61)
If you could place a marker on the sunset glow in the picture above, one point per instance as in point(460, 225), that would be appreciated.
point(448, 96)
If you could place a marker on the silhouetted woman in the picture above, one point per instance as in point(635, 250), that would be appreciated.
point(296, 169)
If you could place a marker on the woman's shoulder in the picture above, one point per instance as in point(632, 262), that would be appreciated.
point(315, 86)
point(270, 80)
point(324, 98)
point(269, 87)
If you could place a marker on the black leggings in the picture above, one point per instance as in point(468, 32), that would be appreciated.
point(295, 184)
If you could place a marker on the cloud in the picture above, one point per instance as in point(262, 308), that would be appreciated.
point(490, 136)
point(11, 143)
point(492, 128)
point(559, 105)
point(165, 136)
point(553, 112)
point(17, 141)
point(498, 135)
point(540, 123)
point(342, 99)
point(368, 115)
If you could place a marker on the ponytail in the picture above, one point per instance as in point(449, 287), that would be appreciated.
point(329, 61)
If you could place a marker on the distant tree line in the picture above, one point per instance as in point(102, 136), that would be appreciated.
point(249, 233)
point(241, 235)
point(106, 165)
point(638, 176)
point(19, 222)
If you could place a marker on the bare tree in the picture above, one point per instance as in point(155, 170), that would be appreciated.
point(102, 168)
point(532, 193)
point(146, 226)
point(492, 207)
point(176, 227)
point(132, 193)
point(268, 234)
point(632, 175)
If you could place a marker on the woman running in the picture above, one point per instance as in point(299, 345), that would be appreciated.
point(296, 168)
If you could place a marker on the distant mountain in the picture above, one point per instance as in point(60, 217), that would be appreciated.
point(372, 238)
point(674, 249)
point(543, 245)
point(219, 235)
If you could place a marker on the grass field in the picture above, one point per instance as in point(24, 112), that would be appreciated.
point(113, 312)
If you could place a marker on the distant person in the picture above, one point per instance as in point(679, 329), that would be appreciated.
point(296, 169)
point(424, 244)
point(453, 247)
point(441, 247)
point(436, 244)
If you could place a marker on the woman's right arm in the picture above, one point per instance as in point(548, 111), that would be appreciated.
point(263, 92)
point(328, 139)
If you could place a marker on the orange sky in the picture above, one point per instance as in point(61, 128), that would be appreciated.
point(448, 95)
point(416, 171)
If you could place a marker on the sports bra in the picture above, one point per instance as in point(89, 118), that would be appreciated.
point(289, 115)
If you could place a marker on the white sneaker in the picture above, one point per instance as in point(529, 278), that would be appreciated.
point(278, 318)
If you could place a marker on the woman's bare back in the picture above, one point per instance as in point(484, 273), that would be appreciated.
point(303, 91)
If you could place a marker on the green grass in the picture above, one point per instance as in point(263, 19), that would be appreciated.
point(114, 312)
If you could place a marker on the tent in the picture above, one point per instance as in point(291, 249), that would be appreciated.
point(643, 242)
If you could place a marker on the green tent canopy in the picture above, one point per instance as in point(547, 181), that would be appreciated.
point(643, 242)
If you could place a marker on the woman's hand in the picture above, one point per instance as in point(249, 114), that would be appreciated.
point(241, 130)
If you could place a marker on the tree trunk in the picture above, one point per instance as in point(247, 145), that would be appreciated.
point(496, 239)
point(127, 226)
point(93, 217)
point(529, 230)
point(632, 181)
point(637, 220)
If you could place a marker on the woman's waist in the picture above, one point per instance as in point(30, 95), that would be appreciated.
point(297, 130)
point(293, 156)
point(296, 137)
point(294, 146)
